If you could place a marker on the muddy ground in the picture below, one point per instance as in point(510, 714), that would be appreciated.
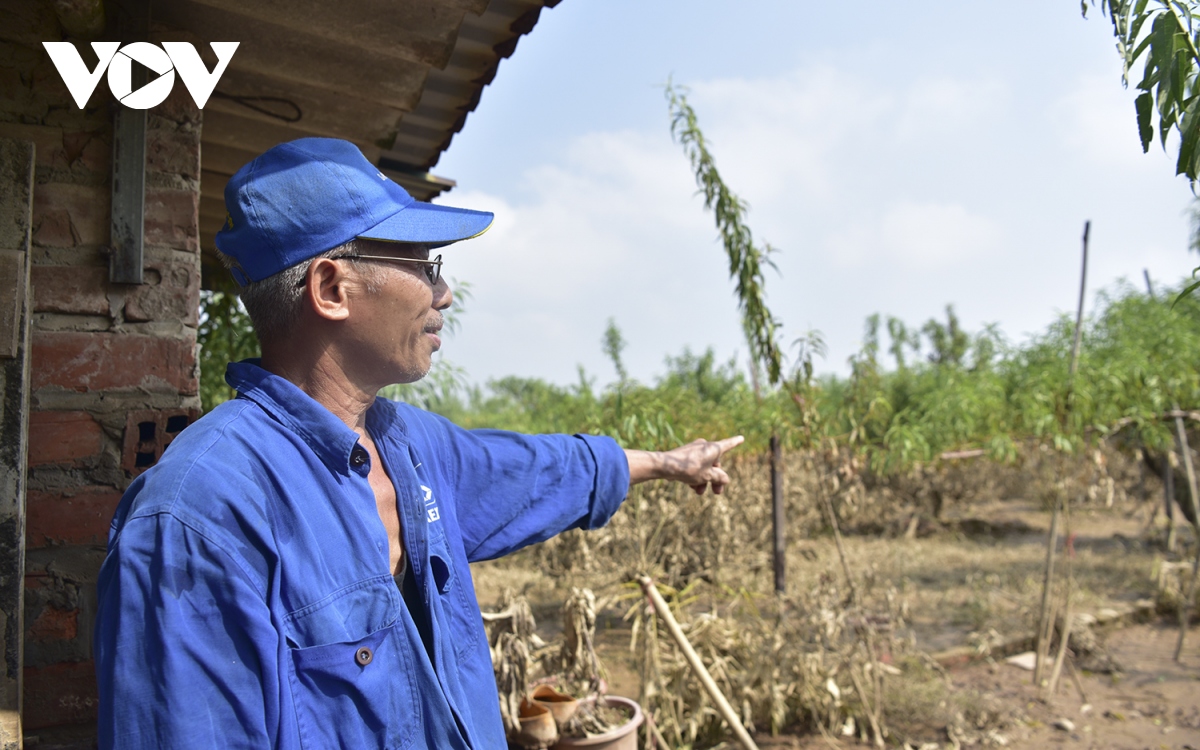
point(972, 589)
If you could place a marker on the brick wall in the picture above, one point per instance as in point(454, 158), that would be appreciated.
point(113, 366)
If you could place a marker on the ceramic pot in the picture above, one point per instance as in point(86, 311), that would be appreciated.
point(538, 730)
point(623, 737)
point(560, 705)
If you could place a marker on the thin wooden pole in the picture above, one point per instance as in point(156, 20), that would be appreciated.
point(689, 653)
point(1046, 623)
point(777, 516)
point(1065, 633)
point(1169, 500)
point(1087, 226)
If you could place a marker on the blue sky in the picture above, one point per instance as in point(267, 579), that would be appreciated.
point(901, 160)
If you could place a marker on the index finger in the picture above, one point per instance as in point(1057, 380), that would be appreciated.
point(728, 443)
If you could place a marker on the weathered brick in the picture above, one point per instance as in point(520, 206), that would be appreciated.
point(172, 218)
point(55, 624)
point(77, 516)
point(63, 693)
point(98, 361)
point(178, 107)
point(70, 289)
point(77, 150)
point(173, 294)
point(87, 150)
point(53, 228)
point(173, 152)
point(62, 437)
point(88, 207)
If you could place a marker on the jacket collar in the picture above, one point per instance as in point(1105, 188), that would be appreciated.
point(324, 433)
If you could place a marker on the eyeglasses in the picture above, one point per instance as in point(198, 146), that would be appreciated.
point(433, 268)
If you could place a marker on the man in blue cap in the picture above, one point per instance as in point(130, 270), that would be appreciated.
point(294, 571)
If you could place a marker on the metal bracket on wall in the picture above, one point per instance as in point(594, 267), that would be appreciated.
point(129, 157)
point(128, 195)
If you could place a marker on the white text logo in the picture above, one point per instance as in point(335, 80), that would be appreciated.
point(431, 510)
point(118, 61)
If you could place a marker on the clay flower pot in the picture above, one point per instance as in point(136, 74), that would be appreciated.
point(560, 705)
point(538, 730)
point(623, 737)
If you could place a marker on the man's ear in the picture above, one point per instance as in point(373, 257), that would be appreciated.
point(325, 291)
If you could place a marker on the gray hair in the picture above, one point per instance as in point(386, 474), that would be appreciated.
point(274, 303)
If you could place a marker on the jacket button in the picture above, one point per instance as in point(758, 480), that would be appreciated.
point(358, 456)
point(363, 656)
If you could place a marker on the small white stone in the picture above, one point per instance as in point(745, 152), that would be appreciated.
point(1026, 661)
point(1065, 724)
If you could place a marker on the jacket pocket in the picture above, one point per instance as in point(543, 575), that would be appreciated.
point(352, 678)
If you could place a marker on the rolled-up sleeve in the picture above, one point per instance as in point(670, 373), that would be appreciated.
point(177, 610)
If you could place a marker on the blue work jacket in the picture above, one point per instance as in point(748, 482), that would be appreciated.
point(246, 600)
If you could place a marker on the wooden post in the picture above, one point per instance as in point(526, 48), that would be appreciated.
point(1189, 471)
point(777, 515)
point(17, 171)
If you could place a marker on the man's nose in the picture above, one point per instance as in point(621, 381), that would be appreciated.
point(442, 296)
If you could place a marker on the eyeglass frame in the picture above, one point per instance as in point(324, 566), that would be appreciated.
point(433, 268)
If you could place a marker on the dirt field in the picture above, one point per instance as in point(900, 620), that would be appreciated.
point(971, 593)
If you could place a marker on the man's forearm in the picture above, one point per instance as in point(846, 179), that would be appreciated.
point(696, 464)
point(644, 466)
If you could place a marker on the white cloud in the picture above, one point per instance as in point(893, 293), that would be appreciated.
point(1096, 121)
point(966, 190)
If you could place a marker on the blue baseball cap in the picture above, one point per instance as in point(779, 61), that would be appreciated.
point(302, 198)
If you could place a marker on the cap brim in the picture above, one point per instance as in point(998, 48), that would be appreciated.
point(430, 224)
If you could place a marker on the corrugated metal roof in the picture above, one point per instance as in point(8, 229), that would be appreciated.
point(396, 77)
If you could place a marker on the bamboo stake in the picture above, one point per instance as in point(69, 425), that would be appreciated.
point(693, 659)
point(1045, 623)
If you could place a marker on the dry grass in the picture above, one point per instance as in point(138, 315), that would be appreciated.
point(967, 570)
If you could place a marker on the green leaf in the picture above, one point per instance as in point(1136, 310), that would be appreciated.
point(1187, 289)
point(1145, 105)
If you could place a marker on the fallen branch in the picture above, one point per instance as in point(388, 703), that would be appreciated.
point(971, 453)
